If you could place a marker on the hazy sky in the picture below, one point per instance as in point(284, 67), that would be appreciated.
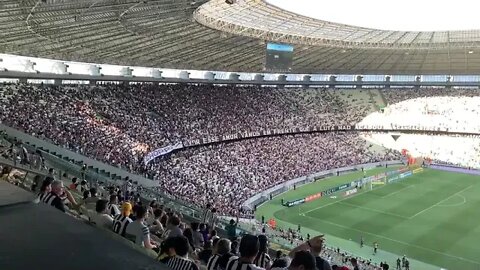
point(404, 15)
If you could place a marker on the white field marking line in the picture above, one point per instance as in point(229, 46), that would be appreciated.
point(432, 206)
point(455, 204)
point(346, 198)
point(372, 210)
point(390, 194)
point(397, 241)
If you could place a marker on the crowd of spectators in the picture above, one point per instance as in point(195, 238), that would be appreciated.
point(230, 173)
point(393, 96)
point(180, 244)
point(120, 124)
point(437, 113)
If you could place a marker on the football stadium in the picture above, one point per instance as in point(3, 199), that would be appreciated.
point(239, 135)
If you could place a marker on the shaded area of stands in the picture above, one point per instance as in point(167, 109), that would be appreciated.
point(41, 237)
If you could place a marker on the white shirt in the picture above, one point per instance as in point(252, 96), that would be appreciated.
point(102, 220)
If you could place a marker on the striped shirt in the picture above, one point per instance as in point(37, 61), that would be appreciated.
point(213, 262)
point(41, 196)
point(53, 200)
point(178, 263)
point(219, 262)
point(263, 260)
point(113, 209)
point(120, 223)
point(238, 265)
point(209, 218)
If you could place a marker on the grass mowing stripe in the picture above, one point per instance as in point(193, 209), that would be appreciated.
point(372, 210)
point(396, 241)
point(444, 200)
point(400, 190)
point(346, 198)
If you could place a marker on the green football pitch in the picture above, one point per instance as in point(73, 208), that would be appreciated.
point(432, 217)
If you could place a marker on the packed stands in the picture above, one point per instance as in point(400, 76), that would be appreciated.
point(193, 244)
point(119, 125)
point(229, 173)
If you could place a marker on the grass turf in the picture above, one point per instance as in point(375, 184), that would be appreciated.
point(432, 216)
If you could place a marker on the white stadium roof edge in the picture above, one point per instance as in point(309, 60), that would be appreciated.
point(213, 35)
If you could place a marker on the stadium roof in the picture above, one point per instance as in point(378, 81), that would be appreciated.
point(219, 36)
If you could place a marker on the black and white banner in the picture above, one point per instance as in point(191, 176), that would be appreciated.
point(160, 152)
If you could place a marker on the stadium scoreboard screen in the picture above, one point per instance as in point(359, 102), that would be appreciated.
point(279, 57)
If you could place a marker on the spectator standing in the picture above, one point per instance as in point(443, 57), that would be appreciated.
point(262, 259)
point(231, 229)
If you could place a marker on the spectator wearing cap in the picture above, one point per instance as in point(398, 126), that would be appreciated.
point(263, 259)
point(101, 218)
point(178, 259)
point(315, 246)
point(121, 221)
point(249, 247)
point(139, 231)
point(302, 260)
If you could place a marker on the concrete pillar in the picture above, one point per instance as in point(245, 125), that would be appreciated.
point(259, 78)
point(332, 80)
point(449, 82)
point(387, 81)
point(92, 82)
point(57, 82)
point(184, 75)
point(282, 79)
point(94, 70)
point(157, 74)
point(126, 72)
point(417, 82)
point(209, 76)
point(234, 77)
point(306, 79)
point(23, 80)
point(359, 81)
